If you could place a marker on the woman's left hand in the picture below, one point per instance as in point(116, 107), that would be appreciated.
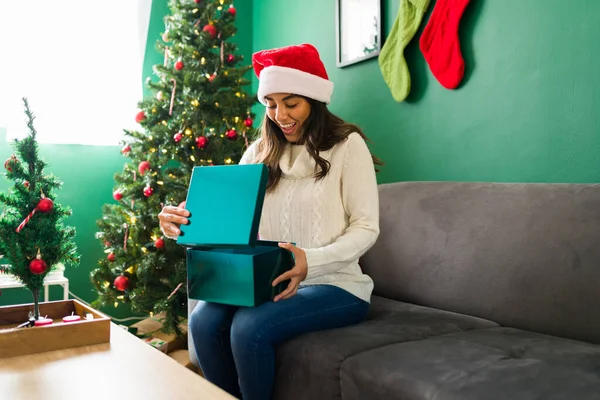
point(296, 274)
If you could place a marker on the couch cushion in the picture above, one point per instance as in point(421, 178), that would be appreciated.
point(308, 366)
point(498, 363)
point(524, 255)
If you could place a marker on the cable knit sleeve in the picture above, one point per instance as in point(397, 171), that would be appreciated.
point(360, 197)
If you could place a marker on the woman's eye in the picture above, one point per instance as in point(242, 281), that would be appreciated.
point(291, 106)
point(271, 107)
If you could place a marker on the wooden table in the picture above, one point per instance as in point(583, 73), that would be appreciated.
point(125, 368)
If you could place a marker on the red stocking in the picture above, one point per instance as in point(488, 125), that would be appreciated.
point(439, 42)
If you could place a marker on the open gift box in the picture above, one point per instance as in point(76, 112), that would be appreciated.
point(226, 262)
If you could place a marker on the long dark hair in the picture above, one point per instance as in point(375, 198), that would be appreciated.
point(322, 130)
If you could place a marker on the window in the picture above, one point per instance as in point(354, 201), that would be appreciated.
point(79, 64)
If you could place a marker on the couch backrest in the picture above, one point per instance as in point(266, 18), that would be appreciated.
point(523, 255)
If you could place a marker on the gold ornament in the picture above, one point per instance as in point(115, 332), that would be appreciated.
point(195, 103)
point(238, 94)
point(188, 131)
point(203, 61)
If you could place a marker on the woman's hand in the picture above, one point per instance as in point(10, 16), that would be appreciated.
point(171, 218)
point(296, 274)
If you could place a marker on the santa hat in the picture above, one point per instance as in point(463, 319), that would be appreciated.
point(293, 69)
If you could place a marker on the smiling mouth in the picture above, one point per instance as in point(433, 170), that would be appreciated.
point(288, 128)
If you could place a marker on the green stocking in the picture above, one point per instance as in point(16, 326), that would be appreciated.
point(391, 59)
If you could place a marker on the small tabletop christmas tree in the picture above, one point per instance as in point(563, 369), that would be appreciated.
point(33, 237)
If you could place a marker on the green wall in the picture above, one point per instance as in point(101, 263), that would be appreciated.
point(527, 110)
point(87, 172)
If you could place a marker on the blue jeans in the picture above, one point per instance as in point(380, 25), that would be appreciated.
point(236, 345)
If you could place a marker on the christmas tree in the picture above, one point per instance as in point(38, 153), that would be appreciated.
point(33, 236)
point(198, 115)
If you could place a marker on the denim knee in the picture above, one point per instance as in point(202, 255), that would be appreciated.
point(207, 321)
point(248, 329)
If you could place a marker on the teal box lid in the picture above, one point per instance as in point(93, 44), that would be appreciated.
point(225, 203)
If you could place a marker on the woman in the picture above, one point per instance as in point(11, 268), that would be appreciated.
point(321, 195)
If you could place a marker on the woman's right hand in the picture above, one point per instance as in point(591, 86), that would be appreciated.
point(171, 218)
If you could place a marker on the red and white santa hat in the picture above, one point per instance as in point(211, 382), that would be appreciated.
point(294, 69)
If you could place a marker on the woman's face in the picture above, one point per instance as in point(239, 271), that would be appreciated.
point(289, 112)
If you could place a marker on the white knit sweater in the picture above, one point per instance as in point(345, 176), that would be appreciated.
point(334, 220)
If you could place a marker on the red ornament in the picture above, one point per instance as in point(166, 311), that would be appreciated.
point(121, 283)
point(232, 10)
point(11, 163)
point(107, 243)
point(159, 243)
point(212, 77)
point(197, 1)
point(177, 137)
point(248, 122)
point(212, 31)
point(26, 184)
point(117, 195)
point(230, 58)
point(45, 205)
point(148, 191)
point(231, 134)
point(111, 257)
point(126, 149)
point(139, 117)
point(202, 142)
point(38, 266)
point(179, 65)
point(143, 167)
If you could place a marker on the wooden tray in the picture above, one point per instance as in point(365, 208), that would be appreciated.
point(58, 335)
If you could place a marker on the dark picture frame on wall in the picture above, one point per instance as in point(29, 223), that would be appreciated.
point(358, 31)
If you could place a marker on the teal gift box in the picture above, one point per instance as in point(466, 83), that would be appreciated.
point(226, 262)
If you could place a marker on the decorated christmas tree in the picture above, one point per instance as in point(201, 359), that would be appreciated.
point(33, 236)
point(198, 115)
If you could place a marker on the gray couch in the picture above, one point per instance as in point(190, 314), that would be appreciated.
point(482, 291)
